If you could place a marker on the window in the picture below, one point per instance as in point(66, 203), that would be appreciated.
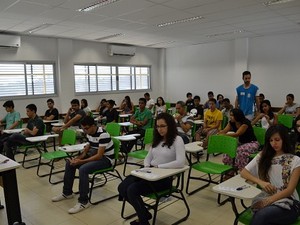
point(26, 79)
point(99, 78)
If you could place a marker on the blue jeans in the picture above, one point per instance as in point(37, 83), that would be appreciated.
point(274, 215)
point(13, 141)
point(84, 171)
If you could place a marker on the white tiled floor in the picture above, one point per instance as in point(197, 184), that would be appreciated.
point(37, 208)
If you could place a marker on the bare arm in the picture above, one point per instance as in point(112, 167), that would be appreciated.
point(236, 103)
point(14, 125)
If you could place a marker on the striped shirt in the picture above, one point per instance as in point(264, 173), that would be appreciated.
point(101, 139)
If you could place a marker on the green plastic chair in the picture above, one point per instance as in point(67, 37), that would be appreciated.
point(139, 154)
point(260, 134)
point(174, 191)
point(24, 149)
point(224, 122)
point(246, 216)
point(286, 120)
point(107, 174)
point(114, 129)
point(68, 138)
point(216, 144)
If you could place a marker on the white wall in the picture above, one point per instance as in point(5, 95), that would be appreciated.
point(274, 62)
point(66, 52)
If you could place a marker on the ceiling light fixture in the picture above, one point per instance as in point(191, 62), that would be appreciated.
point(275, 2)
point(37, 28)
point(159, 43)
point(96, 5)
point(225, 33)
point(110, 36)
point(180, 21)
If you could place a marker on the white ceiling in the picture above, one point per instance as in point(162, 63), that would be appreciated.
point(137, 20)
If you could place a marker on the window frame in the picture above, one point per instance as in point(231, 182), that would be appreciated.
point(26, 77)
point(132, 67)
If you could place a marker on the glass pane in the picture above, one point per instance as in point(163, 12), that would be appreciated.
point(6, 69)
point(124, 70)
point(81, 83)
point(124, 82)
point(104, 83)
point(12, 85)
point(93, 83)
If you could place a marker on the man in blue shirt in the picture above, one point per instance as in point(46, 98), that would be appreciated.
point(247, 97)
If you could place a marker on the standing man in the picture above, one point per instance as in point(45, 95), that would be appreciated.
point(142, 120)
point(184, 122)
point(97, 154)
point(72, 119)
point(150, 103)
point(35, 127)
point(246, 97)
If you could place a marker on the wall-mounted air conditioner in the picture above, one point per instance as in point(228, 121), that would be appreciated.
point(121, 50)
point(10, 41)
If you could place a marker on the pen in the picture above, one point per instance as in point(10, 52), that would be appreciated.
point(242, 187)
point(143, 171)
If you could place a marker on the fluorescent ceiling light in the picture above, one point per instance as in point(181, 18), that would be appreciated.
point(180, 21)
point(96, 5)
point(37, 28)
point(159, 43)
point(275, 2)
point(110, 36)
point(225, 33)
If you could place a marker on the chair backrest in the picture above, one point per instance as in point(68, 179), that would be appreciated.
point(68, 137)
point(222, 144)
point(20, 125)
point(260, 135)
point(286, 120)
point(224, 122)
point(148, 138)
point(168, 105)
point(114, 129)
point(117, 145)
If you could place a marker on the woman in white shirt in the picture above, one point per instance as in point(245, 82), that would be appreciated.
point(160, 106)
point(290, 106)
point(276, 170)
point(266, 116)
point(167, 151)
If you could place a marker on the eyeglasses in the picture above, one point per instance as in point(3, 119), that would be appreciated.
point(161, 126)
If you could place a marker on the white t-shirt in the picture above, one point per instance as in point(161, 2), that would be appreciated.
point(279, 171)
point(149, 103)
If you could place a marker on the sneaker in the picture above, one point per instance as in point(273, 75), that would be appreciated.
point(79, 207)
point(62, 197)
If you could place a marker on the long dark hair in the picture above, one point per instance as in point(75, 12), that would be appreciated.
point(171, 134)
point(162, 101)
point(128, 101)
point(268, 152)
point(238, 115)
point(270, 112)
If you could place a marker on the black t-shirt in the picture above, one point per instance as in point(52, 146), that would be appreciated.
point(111, 115)
point(189, 104)
point(246, 137)
point(54, 112)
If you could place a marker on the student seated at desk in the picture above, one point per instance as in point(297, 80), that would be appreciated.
point(266, 115)
point(11, 121)
point(142, 119)
point(240, 127)
point(97, 154)
point(276, 170)
point(127, 105)
point(167, 151)
point(72, 119)
point(111, 113)
point(52, 112)
point(35, 127)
